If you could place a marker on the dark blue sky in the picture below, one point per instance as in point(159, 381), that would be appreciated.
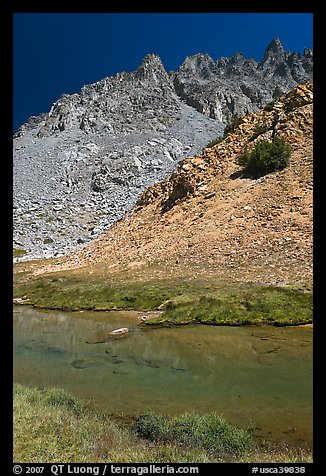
point(59, 53)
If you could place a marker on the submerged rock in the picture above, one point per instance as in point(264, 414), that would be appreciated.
point(177, 369)
point(149, 363)
point(55, 350)
point(84, 363)
point(265, 347)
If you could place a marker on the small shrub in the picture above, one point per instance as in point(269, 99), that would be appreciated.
point(214, 142)
point(152, 426)
point(17, 253)
point(269, 107)
point(233, 124)
point(265, 158)
point(209, 432)
point(244, 158)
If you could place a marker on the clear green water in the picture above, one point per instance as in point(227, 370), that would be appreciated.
point(260, 376)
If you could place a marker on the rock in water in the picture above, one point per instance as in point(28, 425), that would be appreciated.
point(119, 332)
point(106, 336)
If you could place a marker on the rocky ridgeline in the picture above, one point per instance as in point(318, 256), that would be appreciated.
point(238, 86)
point(78, 168)
point(129, 102)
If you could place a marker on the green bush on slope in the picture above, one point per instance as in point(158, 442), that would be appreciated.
point(265, 158)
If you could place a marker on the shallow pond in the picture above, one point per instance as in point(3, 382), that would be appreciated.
point(258, 376)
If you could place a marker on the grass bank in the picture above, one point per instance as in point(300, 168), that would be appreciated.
point(51, 425)
point(181, 299)
point(240, 305)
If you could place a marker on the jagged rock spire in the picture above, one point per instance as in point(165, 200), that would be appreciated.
point(275, 46)
point(273, 51)
point(151, 67)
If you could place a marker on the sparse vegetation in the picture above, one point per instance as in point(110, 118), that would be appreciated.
point(232, 125)
point(240, 306)
point(71, 294)
point(260, 129)
point(53, 425)
point(265, 158)
point(17, 252)
point(214, 142)
point(269, 106)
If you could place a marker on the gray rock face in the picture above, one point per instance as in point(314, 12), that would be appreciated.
point(128, 102)
point(80, 167)
point(223, 88)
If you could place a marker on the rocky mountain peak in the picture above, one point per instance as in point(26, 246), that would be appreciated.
point(273, 59)
point(152, 68)
point(197, 62)
point(219, 89)
point(274, 48)
point(236, 85)
point(237, 58)
point(117, 103)
point(200, 66)
point(308, 53)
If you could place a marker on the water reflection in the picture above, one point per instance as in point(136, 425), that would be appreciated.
point(260, 375)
